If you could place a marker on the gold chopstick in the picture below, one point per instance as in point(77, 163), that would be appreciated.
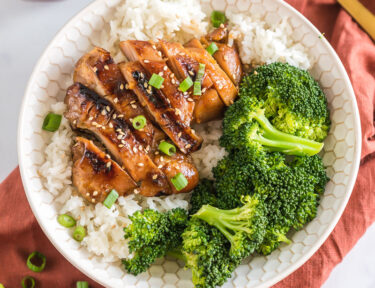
point(361, 14)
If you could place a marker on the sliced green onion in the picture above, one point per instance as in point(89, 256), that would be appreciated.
point(52, 122)
point(79, 233)
point(156, 81)
point(33, 267)
point(200, 74)
point(2, 286)
point(167, 148)
point(111, 198)
point(212, 48)
point(66, 221)
point(218, 18)
point(197, 88)
point(139, 122)
point(28, 282)
point(82, 284)
point(179, 181)
point(186, 84)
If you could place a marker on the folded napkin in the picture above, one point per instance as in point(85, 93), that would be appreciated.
point(20, 234)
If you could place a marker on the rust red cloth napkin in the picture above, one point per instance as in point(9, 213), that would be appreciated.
point(20, 234)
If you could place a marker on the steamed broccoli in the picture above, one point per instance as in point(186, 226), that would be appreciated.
point(203, 194)
point(245, 124)
point(151, 234)
point(293, 101)
point(244, 226)
point(206, 253)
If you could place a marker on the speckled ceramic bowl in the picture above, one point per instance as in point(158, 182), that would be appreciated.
point(51, 77)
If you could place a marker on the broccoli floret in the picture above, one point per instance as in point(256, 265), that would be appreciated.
point(289, 188)
point(293, 101)
point(244, 227)
point(245, 124)
point(203, 194)
point(151, 234)
point(206, 253)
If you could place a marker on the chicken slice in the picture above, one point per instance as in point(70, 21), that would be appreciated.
point(223, 85)
point(220, 34)
point(159, 107)
point(95, 174)
point(178, 163)
point(209, 107)
point(88, 111)
point(153, 63)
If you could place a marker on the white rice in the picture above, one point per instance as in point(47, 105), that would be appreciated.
point(177, 20)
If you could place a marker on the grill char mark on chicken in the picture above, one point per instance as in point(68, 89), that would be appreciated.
point(88, 111)
point(95, 174)
point(161, 110)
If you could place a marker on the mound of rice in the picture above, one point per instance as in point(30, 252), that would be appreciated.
point(177, 20)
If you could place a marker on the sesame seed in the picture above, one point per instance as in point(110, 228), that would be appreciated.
point(121, 145)
point(156, 152)
point(94, 123)
point(177, 111)
point(165, 68)
point(145, 85)
point(255, 72)
point(106, 67)
point(74, 122)
point(160, 166)
point(234, 76)
point(110, 125)
point(108, 164)
point(161, 158)
point(161, 73)
point(136, 191)
point(123, 142)
point(140, 164)
point(119, 137)
point(87, 194)
point(193, 131)
point(95, 193)
point(120, 116)
point(93, 200)
point(162, 86)
point(148, 148)
point(169, 101)
point(142, 75)
point(220, 86)
point(108, 108)
point(122, 86)
point(173, 81)
point(108, 156)
point(221, 25)
point(95, 69)
point(179, 134)
point(118, 130)
point(204, 90)
point(115, 100)
point(190, 100)
point(140, 147)
point(225, 57)
point(134, 106)
point(191, 73)
point(132, 102)
point(127, 86)
point(146, 61)
point(90, 119)
point(154, 177)
point(153, 46)
point(187, 146)
point(135, 150)
point(114, 116)
point(104, 112)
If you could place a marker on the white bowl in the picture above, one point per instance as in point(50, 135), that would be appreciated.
point(51, 77)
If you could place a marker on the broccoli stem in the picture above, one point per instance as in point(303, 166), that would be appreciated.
point(276, 140)
point(176, 253)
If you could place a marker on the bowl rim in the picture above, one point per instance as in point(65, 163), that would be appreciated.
point(279, 276)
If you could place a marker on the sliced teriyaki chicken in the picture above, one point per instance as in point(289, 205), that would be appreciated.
point(95, 174)
point(219, 34)
point(209, 107)
point(160, 108)
point(153, 63)
point(88, 111)
point(110, 83)
point(178, 163)
point(223, 85)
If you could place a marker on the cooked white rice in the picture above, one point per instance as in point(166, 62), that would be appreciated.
point(177, 20)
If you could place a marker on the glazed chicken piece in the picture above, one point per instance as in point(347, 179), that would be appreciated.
point(109, 83)
point(223, 85)
point(160, 108)
point(220, 34)
point(228, 59)
point(95, 174)
point(153, 63)
point(88, 111)
point(209, 107)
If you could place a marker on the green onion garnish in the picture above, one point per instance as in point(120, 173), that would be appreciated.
point(218, 18)
point(79, 233)
point(66, 221)
point(200, 74)
point(82, 284)
point(2, 286)
point(212, 48)
point(28, 282)
point(51, 122)
point(111, 198)
point(33, 267)
point(156, 81)
point(139, 122)
point(197, 88)
point(179, 181)
point(186, 84)
point(167, 148)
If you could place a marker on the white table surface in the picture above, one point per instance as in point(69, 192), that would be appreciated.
point(26, 27)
